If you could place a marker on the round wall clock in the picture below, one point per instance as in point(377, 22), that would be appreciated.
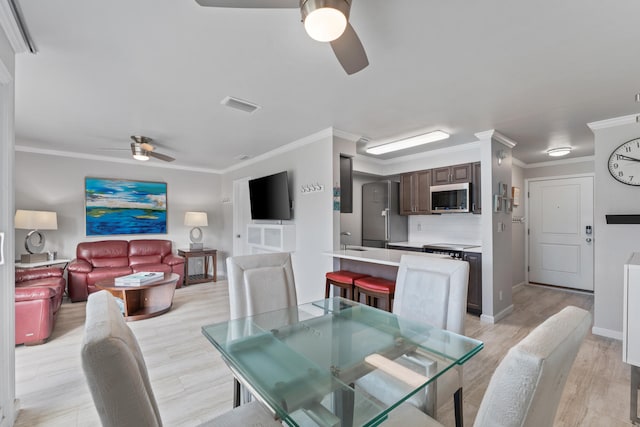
point(624, 163)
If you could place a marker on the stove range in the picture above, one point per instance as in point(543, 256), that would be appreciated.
point(454, 250)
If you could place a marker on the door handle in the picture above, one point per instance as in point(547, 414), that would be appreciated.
point(588, 239)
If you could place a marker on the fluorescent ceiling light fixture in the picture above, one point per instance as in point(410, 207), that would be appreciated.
point(412, 141)
point(325, 20)
point(560, 151)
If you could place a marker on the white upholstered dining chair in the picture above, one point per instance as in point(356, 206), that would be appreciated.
point(257, 284)
point(430, 290)
point(118, 379)
point(526, 387)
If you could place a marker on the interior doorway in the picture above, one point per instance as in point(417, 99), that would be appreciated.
point(241, 215)
point(560, 233)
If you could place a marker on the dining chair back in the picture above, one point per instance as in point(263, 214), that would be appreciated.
point(117, 375)
point(257, 284)
point(260, 283)
point(525, 389)
point(430, 290)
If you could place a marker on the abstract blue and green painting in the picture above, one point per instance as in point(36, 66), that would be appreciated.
point(115, 206)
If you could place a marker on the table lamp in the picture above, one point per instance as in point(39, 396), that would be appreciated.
point(195, 220)
point(35, 240)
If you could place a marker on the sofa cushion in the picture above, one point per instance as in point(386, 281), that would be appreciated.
point(145, 259)
point(163, 268)
point(104, 253)
point(106, 273)
point(142, 248)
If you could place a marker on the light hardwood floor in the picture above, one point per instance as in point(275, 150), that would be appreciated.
point(192, 384)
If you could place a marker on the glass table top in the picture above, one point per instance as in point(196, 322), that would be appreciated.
point(303, 361)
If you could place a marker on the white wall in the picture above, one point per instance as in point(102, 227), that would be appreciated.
point(496, 229)
point(447, 228)
point(7, 278)
point(45, 182)
point(306, 163)
point(613, 243)
point(518, 229)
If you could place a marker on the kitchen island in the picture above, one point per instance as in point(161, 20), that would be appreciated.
point(373, 261)
point(385, 262)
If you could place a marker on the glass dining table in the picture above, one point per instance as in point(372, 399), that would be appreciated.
point(303, 362)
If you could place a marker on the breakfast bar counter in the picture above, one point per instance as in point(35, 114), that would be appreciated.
point(373, 261)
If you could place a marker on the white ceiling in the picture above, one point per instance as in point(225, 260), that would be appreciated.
point(537, 72)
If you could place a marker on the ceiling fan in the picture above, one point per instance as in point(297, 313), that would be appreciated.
point(141, 149)
point(324, 20)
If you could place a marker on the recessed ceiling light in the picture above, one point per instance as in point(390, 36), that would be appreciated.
point(412, 141)
point(559, 151)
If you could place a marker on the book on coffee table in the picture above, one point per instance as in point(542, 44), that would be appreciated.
point(138, 279)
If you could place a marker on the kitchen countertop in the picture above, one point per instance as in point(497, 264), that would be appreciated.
point(474, 249)
point(378, 256)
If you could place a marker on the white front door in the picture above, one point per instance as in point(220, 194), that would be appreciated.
point(560, 232)
point(241, 216)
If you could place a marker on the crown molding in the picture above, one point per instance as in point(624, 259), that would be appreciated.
point(616, 121)
point(14, 28)
point(315, 137)
point(83, 156)
point(346, 135)
point(496, 136)
point(518, 162)
point(558, 162)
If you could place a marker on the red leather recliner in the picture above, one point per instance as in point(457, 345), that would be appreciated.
point(106, 259)
point(38, 298)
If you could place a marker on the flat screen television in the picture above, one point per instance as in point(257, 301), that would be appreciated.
point(269, 197)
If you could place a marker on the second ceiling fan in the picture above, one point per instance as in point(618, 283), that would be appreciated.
point(324, 20)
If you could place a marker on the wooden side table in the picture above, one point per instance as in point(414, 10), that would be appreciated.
point(206, 253)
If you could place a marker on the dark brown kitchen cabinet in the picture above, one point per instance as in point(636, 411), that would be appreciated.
point(452, 174)
point(474, 294)
point(476, 189)
point(346, 184)
point(415, 195)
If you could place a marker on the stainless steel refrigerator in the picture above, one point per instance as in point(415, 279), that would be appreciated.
point(381, 219)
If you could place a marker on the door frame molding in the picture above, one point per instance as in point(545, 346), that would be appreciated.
point(528, 218)
point(236, 203)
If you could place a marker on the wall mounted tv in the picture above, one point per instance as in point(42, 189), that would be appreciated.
point(269, 197)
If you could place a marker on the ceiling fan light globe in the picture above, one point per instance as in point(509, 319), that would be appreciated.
point(325, 24)
point(141, 157)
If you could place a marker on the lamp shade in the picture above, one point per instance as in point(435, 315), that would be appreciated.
point(36, 220)
point(195, 219)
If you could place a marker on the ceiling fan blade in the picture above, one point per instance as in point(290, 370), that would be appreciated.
point(349, 51)
point(253, 4)
point(160, 156)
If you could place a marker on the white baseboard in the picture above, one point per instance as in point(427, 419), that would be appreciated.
point(518, 286)
point(9, 419)
point(495, 319)
point(608, 333)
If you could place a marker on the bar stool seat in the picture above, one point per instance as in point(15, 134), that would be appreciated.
point(344, 280)
point(376, 288)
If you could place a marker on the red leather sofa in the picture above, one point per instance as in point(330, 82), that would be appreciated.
point(39, 294)
point(106, 259)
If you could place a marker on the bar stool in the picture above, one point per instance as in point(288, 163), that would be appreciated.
point(344, 280)
point(376, 288)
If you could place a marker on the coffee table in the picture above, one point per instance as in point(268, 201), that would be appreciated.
point(144, 301)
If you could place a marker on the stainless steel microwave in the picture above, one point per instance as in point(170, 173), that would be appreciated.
point(450, 198)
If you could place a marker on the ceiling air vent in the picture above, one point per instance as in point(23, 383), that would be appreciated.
point(239, 104)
